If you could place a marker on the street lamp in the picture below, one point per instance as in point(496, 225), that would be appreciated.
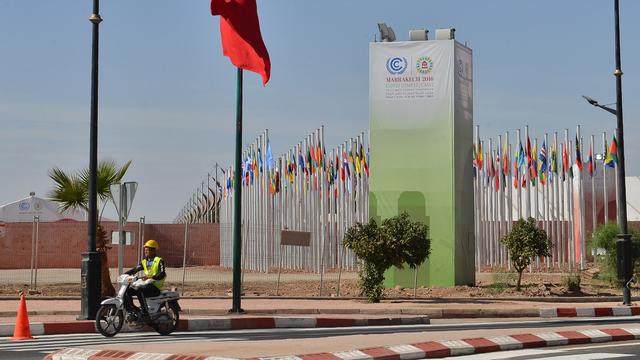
point(623, 244)
point(90, 266)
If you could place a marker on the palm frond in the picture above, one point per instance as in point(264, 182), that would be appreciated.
point(72, 190)
point(108, 173)
point(69, 191)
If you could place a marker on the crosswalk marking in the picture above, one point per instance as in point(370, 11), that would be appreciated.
point(48, 344)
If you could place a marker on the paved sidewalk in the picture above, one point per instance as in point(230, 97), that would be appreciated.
point(46, 310)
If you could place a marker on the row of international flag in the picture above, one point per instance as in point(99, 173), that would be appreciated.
point(541, 167)
point(308, 164)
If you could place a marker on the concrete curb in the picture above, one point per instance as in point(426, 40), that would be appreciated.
point(433, 313)
point(547, 299)
point(430, 349)
point(228, 323)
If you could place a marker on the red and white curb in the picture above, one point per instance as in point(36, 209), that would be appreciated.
point(229, 323)
point(590, 312)
point(430, 349)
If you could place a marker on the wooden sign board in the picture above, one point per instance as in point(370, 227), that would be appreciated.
point(295, 238)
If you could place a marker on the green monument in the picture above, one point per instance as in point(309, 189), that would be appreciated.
point(421, 135)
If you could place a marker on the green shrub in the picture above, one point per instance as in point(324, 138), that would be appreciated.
point(571, 282)
point(500, 282)
point(526, 240)
point(605, 237)
point(398, 241)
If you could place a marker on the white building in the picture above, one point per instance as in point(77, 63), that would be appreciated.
point(24, 210)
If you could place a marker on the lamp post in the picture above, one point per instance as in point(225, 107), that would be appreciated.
point(90, 269)
point(623, 244)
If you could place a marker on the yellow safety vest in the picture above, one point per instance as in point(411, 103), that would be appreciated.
point(153, 271)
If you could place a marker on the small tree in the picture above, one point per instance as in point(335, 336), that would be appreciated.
point(71, 191)
point(398, 241)
point(525, 241)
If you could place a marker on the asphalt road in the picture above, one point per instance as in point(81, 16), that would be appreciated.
point(39, 347)
point(616, 350)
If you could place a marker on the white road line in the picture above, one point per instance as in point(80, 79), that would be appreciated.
point(545, 353)
point(591, 356)
point(45, 345)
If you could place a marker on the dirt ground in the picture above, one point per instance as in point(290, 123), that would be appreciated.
point(488, 285)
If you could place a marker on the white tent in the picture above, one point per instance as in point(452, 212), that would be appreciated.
point(633, 198)
point(25, 209)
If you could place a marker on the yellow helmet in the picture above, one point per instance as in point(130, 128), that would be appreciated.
point(151, 244)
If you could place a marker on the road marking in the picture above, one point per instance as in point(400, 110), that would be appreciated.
point(591, 356)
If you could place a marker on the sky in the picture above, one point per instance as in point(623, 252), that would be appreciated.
point(167, 94)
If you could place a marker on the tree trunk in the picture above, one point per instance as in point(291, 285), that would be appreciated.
point(519, 279)
point(106, 287)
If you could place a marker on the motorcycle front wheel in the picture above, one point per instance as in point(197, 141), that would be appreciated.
point(167, 322)
point(109, 320)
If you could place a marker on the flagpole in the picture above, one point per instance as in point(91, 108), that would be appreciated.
point(583, 257)
point(570, 201)
point(556, 200)
point(563, 223)
point(237, 214)
point(510, 184)
point(483, 195)
point(527, 150)
point(519, 145)
point(593, 186)
point(500, 200)
point(534, 163)
point(604, 179)
point(545, 195)
point(476, 202)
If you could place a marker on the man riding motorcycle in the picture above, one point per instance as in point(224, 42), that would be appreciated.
point(154, 269)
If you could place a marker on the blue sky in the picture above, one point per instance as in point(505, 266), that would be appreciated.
point(167, 95)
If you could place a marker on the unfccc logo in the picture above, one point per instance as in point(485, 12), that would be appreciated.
point(396, 65)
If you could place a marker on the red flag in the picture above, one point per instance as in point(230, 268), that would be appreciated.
point(565, 159)
point(241, 38)
point(528, 151)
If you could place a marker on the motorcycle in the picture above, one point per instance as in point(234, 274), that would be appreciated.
point(164, 310)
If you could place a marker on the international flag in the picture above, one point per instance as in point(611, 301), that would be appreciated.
point(505, 160)
point(480, 157)
point(542, 159)
point(515, 173)
point(529, 155)
point(591, 165)
point(473, 157)
point(241, 38)
point(611, 160)
point(533, 166)
point(554, 160)
point(565, 161)
point(520, 156)
point(269, 157)
point(578, 156)
point(301, 161)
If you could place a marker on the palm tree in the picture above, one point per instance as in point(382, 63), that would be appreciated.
point(72, 193)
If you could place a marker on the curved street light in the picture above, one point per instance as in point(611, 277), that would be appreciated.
point(623, 244)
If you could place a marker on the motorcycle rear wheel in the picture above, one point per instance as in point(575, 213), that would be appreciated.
point(167, 327)
point(109, 320)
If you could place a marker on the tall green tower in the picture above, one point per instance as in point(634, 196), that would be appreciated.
point(421, 135)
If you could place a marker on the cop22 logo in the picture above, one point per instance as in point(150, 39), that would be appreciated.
point(424, 64)
point(396, 65)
